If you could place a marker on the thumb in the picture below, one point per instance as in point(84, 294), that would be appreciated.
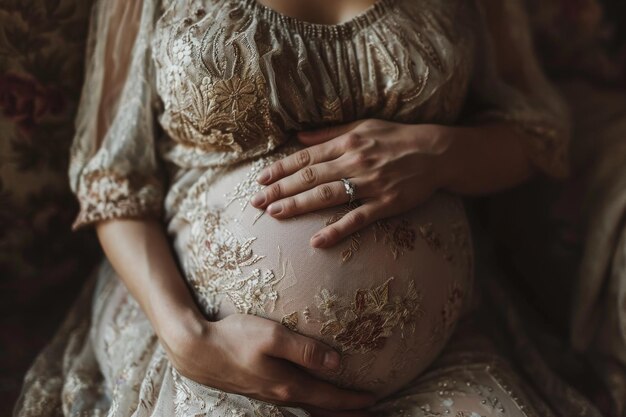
point(315, 137)
point(306, 352)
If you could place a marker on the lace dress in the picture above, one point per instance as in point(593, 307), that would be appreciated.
point(186, 101)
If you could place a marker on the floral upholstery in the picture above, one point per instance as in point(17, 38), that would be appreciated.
point(40, 77)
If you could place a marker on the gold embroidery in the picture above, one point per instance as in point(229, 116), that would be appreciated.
point(290, 321)
point(104, 195)
point(247, 188)
point(364, 324)
point(331, 110)
point(435, 241)
point(262, 409)
point(400, 237)
point(215, 265)
point(428, 51)
point(420, 83)
point(220, 109)
point(224, 115)
point(355, 238)
point(219, 249)
point(253, 293)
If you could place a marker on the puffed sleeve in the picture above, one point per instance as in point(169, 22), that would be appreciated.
point(114, 170)
point(509, 85)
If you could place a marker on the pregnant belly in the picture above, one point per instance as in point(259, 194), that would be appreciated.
point(386, 298)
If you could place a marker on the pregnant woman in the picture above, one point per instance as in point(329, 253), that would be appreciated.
point(276, 184)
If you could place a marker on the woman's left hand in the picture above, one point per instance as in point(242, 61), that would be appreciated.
point(394, 167)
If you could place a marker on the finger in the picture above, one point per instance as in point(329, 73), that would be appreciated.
point(326, 195)
point(314, 137)
point(297, 388)
point(303, 351)
point(352, 222)
point(313, 392)
point(298, 160)
point(302, 180)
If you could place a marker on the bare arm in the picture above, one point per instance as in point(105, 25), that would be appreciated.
point(211, 353)
point(143, 259)
point(516, 125)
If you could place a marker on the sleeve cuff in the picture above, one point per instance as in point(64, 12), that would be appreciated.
point(105, 195)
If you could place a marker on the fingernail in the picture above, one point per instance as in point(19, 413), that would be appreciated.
point(274, 208)
point(263, 178)
point(257, 200)
point(332, 360)
point(318, 240)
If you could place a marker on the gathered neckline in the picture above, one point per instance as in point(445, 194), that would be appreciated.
point(344, 29)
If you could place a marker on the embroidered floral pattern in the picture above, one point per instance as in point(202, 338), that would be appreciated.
point(455, 249)
point(254, 294)
point(399, 236)
point(247, 188)
point(364, 323)
point(290, 321)
point(223, 91)
point(432, 238)
point(215, 267)
point(354, 242)
point(105, 195)
point(218, 249)
point(220, 114)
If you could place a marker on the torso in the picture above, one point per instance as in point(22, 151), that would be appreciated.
point(236, 78)
point(325, 12)
point(400, 60)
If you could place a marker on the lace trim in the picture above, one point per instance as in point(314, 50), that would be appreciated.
point(344, 30)
point(216, 268)
point(105, 195)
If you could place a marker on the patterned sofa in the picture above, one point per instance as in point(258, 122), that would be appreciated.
point(42, 263)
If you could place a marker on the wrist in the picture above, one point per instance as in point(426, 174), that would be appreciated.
point(445, 147)
point(177, 321)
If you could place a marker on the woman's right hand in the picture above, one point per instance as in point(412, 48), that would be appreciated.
point(242, 354)
point(262, 359)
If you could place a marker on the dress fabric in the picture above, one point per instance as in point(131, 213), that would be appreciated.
point(186, 101)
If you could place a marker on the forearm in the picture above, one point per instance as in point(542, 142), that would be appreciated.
point(485, 159)
point(141, 255)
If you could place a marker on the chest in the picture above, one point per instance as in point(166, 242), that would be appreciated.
point(329, 12)
point(235, 75)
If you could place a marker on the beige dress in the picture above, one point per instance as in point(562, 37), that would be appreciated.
point(186, 101)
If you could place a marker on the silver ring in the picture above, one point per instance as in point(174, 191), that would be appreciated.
point(350, 189)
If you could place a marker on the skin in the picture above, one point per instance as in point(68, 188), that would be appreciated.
point(395, 167)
